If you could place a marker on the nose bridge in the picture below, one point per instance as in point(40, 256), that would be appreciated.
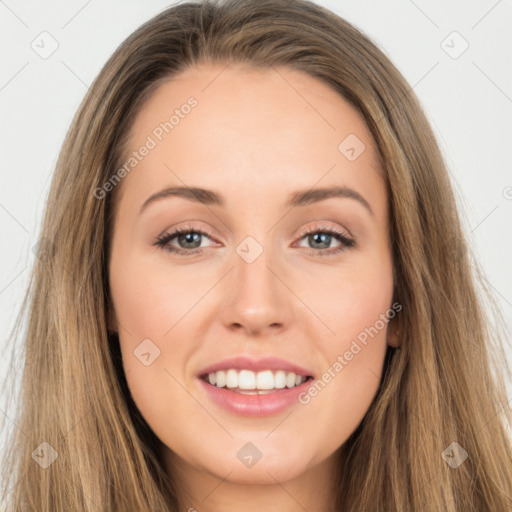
point(254, 280)
point(257, 299)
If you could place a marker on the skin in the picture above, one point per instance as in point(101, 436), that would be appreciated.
point(256, 136)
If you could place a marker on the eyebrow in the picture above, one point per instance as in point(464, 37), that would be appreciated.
point(298, 198)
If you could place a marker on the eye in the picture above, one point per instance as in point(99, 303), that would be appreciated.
point(321, 236)
point(188, 236)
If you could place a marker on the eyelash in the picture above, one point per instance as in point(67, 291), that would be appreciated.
point(163, 240)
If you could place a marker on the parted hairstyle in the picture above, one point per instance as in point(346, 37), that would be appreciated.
point(445, 384)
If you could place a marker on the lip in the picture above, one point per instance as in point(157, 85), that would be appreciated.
point(255, 405)
point(256, 365)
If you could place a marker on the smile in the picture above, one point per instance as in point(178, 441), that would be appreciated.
point(248, 382)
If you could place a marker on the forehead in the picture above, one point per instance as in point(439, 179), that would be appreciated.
point(250, 127)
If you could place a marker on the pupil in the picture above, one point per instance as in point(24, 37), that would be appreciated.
point(190, 236)
point(321, 236)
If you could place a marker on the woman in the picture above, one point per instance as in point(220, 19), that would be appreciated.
point(258, 369)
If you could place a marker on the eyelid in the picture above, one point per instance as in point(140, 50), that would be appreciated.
point(327, 227)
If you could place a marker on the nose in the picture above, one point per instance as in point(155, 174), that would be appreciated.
point(259, 302)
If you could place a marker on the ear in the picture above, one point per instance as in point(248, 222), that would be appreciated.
point(393, 339)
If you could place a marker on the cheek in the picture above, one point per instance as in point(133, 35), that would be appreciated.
point(150, 299)
point(155, 311)
point(350, 301)
point(356, 307)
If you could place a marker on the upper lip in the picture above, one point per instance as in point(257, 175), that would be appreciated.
point(256, 365)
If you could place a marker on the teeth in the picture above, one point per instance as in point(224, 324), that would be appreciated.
point(247, 380)
point(220, 379)
point(265, 380)
point(232, 379)
point(290, 380)
point(280, 379)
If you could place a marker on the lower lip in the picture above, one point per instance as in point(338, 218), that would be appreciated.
point(255, 405)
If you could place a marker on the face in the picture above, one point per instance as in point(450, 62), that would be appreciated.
point(269, 283)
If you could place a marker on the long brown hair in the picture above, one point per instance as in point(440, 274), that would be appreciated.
point(444, 385)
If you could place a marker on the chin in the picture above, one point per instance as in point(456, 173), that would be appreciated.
point(274, 464)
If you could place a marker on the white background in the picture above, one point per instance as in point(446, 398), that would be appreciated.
point(468, 101)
